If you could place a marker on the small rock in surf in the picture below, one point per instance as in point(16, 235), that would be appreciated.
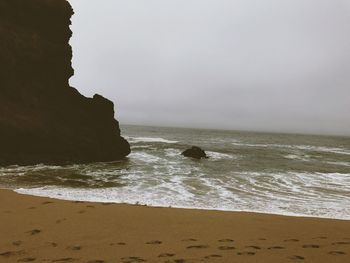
point(195, 152)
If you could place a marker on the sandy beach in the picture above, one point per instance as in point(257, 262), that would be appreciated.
point(213, 106)
point(37, 229)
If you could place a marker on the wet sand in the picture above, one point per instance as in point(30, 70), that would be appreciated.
point(34, 229)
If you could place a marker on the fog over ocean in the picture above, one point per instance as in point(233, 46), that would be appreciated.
point(272, 65)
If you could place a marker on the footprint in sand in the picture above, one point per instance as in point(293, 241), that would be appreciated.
point(336, 253)
point(254, 247)
point(64, 260)
point(310, 246)
point(82, 212)
point(46, 203)
point(226, 248)
point(296, 257)
point(26, 260)
point(213, 256)
point(59, 221)
point(154, 242)
point(7, 254)
point(189, 240)
point(53, 244)
point(96, 261)
point(276, 247)
point(17, 243)
point(291, 240)
point(262, 239)
point(34, 232)
point(11, 253)
point(226, 240)
point(165, 255)
point(74, 248)
point(197, 247)
point(132, 260)
point(180, 260)
point(341, 243)
point(246, 253)
point(120, 244)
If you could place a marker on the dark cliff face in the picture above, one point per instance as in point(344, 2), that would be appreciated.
point(42, 118)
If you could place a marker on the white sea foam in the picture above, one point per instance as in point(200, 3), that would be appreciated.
point(292, 156)
point(338, 210)
point(303, 158)
point(288, 194)
point(145, 157)
point(136, 147)
point(38, 167)
point(170, 152)
point(347, 164)
point(150, 139)
point(300, 147)
point(219, 156)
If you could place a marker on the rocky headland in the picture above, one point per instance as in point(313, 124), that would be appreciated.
point(42, 118)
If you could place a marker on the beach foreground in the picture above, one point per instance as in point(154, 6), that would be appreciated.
point(35, 229)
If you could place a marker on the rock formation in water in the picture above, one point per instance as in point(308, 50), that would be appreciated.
point(195, 152)
point(42, 118)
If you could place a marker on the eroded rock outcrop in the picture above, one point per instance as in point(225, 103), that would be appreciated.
point(42, 118)
point(195, 152)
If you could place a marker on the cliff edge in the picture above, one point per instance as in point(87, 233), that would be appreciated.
point(42, 118)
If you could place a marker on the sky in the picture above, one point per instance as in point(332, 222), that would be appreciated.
point(258, 65)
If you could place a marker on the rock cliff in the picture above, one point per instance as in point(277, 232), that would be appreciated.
point(42, 118)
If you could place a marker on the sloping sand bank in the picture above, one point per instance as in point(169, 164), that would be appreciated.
point(34, 229)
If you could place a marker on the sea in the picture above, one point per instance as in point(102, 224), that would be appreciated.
point(285, 174)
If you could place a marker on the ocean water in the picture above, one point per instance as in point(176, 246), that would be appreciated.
point(298, 175)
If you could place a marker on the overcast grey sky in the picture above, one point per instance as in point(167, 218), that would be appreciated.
point(269, 65)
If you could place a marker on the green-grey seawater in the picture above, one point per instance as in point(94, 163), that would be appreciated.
point(262, 172)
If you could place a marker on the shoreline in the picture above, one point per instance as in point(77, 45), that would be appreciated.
point(177, 207)
point(40, 229)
